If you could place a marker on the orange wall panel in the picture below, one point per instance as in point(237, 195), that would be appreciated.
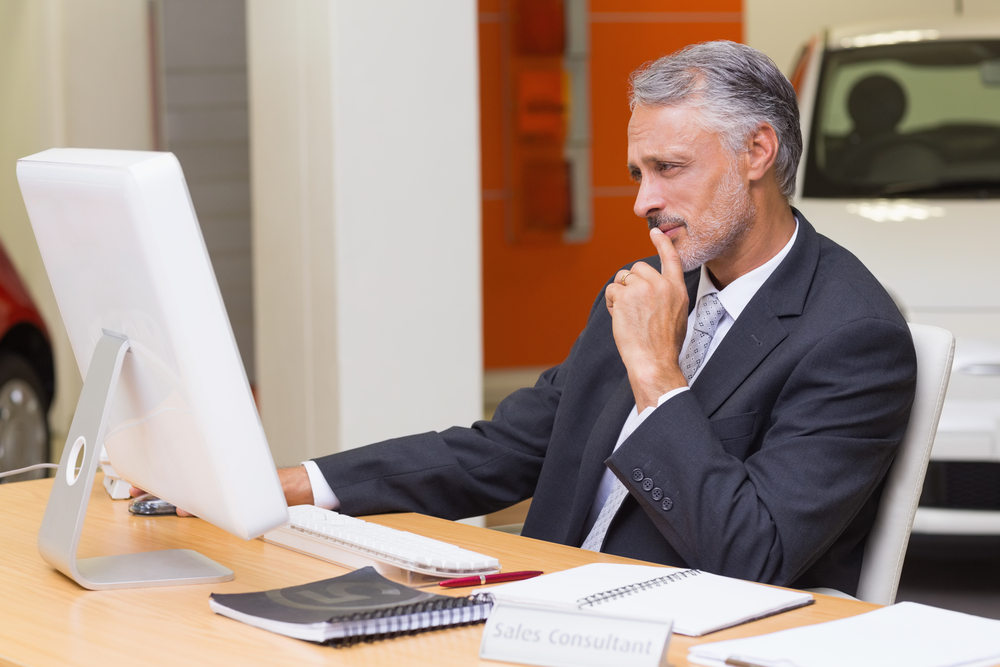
point(634, 6)
point(537, 296)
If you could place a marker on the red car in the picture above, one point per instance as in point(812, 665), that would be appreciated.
point(27, 377)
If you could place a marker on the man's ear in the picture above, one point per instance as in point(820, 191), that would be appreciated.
point(762, 151)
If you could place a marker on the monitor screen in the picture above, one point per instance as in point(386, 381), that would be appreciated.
point(125, 256)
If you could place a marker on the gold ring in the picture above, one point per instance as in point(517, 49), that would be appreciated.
point(627, 274)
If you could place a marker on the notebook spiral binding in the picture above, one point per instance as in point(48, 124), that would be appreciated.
point(631, 589)
point(392, 621)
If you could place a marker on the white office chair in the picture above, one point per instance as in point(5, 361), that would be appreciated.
point(886, 546)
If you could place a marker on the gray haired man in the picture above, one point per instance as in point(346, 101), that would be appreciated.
point(734, 401)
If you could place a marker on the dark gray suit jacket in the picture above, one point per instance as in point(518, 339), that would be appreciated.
point(770, 468)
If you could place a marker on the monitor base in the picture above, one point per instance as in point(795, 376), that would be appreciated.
point(171, 567)
point(62, 525)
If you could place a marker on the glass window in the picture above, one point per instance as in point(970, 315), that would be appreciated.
point(914, 119)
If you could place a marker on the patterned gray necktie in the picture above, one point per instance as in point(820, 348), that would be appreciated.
point(706, 321)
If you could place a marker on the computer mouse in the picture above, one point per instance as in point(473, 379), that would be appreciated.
point(149, 504)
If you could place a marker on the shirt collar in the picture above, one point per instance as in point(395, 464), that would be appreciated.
point(737, 294)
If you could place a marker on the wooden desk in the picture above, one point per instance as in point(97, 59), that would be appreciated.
point(47, 619)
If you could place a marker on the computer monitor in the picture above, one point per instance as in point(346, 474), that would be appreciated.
point(165, 390)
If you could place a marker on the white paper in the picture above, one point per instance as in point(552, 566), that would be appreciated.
point(906, 633)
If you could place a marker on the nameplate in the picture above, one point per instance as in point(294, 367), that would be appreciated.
point(572, 638)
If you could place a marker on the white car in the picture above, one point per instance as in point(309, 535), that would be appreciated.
point(901, 126)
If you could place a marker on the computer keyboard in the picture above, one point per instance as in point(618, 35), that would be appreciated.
point(355, 543)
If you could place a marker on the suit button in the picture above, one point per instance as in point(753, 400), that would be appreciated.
point(647, 484)
point(637, 474)
point(657, 494)
point(667, 504)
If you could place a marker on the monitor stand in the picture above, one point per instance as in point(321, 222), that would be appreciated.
point(59, 536)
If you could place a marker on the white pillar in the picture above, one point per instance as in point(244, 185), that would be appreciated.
point(364, 133)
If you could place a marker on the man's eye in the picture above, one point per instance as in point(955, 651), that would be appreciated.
point(635, 176)
point(665, 166)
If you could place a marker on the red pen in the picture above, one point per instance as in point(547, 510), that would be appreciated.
point(482, 579)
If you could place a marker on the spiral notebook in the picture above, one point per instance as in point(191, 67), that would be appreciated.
point(697, 602)
point(359, 606)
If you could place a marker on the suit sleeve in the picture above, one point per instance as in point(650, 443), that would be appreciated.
point(459, 472)
point(830, 437)
point(455, 473)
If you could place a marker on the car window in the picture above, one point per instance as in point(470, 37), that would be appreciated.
point(913, 119)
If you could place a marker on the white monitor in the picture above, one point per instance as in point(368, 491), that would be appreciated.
point(165, 389)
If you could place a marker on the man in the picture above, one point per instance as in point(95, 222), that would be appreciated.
point(733, 403)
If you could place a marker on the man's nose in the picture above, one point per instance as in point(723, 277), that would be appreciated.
point(648, 201)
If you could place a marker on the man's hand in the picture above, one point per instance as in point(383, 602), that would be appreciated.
point(295, 484)
point(649, 310)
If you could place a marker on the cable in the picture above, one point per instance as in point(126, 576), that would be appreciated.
point(37, 466)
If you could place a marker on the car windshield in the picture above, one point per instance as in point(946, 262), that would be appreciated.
point(918, 119)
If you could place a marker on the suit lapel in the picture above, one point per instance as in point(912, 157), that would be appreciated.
point(750, 340)
point(691, 279)
point(599, 446)
point(759, 328)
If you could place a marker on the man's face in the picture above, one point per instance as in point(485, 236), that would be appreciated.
point(690, 185)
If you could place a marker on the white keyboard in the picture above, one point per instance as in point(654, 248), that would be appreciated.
point(355, 543)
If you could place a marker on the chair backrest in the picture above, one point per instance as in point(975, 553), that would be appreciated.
point(886, 546)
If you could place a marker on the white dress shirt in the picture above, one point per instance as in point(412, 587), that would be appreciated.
point(734, 298)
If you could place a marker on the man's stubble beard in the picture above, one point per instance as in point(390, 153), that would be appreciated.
point(723, 226)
